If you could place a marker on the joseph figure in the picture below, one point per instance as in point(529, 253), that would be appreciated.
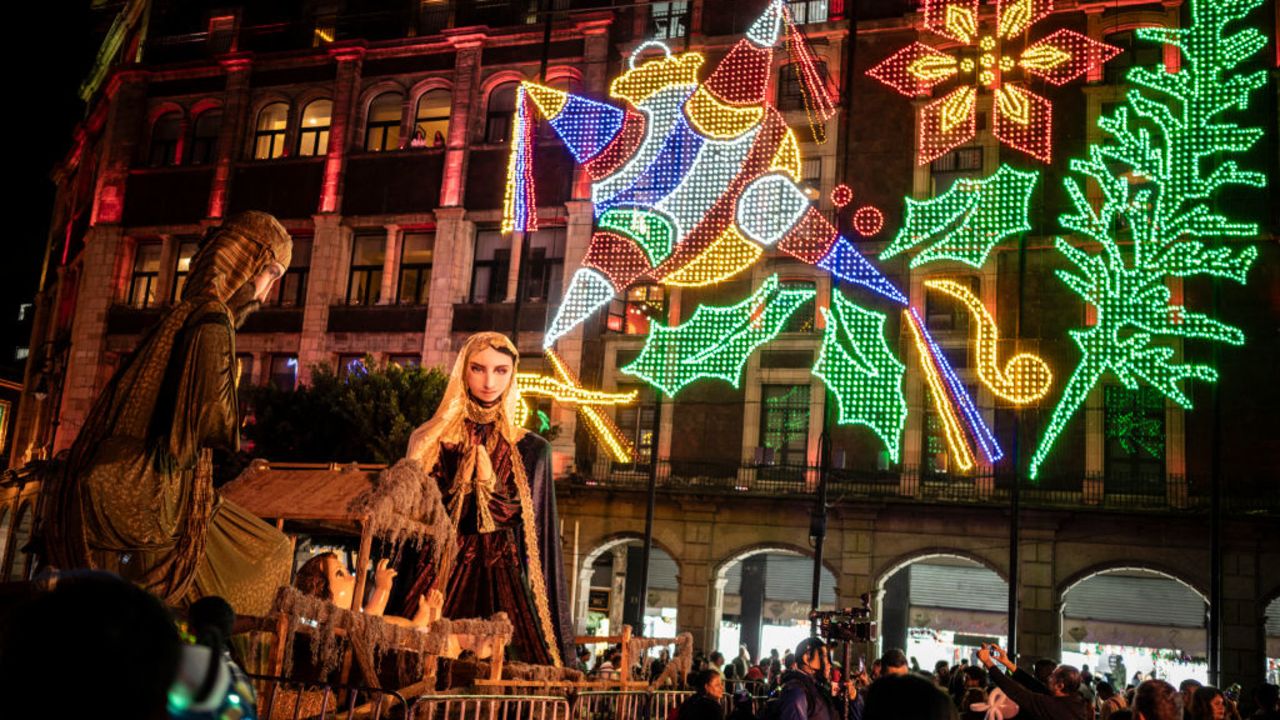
point(136, 496)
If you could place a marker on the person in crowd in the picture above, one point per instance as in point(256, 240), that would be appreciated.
point(582, 660)
point(742, 709)
point(805, 691)
point(210, 683)
point(788, 662)
point(1267, 699)
point(973, 704)
point(1208, 703)
point(1109, 701)
point(1186, 695)
point(894, 662)
point(1042, 669)
point(941, 673)
point(94, 646)
point(915, 665)
point(902, 696)
point(716, 660)
point(1155, 700)
point(1063, 701)
point(970, 678)
point(738, 668)
point(658, 664)
point(704, 704)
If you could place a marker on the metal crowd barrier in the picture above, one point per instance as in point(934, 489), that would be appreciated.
point(284, 699)
point(628, 704)
point(490, 707)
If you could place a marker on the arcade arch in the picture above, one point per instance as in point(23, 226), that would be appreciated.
point(941, 605)
point(761, 598)
point(1125, 620)
point(606, 582)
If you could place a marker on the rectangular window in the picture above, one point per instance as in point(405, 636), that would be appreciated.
point(489, 271)
point(145, 279)
point(811, 171)
point(1136, 53)
point(415, 268)
point(405, 360)
point(284, 371)
point(186, 250)
point(935, 444)
point(791, 87)
point(959, 163)
point(313, 140)
point(803, 319)
point(804, 12)
point(668, 20)
point(543, 265)
point(1135, 434)
point(784, 425)
point(244, 370)
point(630, 314)
point(636, 421)
point(364, 284)
point(945, 314)
point(349, 365)
point(291, 290)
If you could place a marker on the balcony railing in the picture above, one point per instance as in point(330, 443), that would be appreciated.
point(1175, 495)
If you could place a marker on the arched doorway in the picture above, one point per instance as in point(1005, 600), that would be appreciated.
point(1272, 624)
point(608, 584)
point(1126, 621)
point(941, 606)
point(762, 600)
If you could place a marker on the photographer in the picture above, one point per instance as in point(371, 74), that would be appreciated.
point(1063, 701)
point(806, 693)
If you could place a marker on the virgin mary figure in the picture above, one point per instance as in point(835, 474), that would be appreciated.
point(494, 479)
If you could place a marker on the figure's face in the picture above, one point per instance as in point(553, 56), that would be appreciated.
point(489, 374)
point(1218, 705)
point(265, 280)
point(341, 584)
point(715, 688)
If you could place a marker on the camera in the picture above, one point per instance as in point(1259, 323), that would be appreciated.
point(847, 625)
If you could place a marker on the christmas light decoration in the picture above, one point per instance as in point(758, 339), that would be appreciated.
point(968, 220)
point(716, 341)
point(1025, 377)
point(977, 427)
point(857, 365)
point(1170, 133)
point(600, 425)
point(868, 221)
point(519, 204)
point(841, 195)
point(1023, 120)
point(559, 390)
point(942, 407)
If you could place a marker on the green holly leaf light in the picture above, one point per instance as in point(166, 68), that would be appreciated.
point(716, 341)
point(968, 220)
point(857, 365)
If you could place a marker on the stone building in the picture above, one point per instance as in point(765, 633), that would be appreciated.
point(378, 133)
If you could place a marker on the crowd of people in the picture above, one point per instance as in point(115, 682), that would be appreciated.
point(809, 685)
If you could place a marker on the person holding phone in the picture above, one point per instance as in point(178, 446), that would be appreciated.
point(1063, 701)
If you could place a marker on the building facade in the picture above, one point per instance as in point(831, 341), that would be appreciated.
point(379, 136)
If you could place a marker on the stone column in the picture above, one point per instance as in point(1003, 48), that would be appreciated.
point(168, 269)
point(346, 87)
point(697, 601)
point(125, 125)
point(450, 282)
point(1243, 646)
point(466, 97)
point(755, 575)
point(97, 293)
point(1039, 613)
point(618, 590)
point(390, 265)
point(326, 285)
point(235, 108)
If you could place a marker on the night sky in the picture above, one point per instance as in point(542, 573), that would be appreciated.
point(57, 43)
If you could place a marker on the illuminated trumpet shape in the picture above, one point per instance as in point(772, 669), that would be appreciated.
point(1025, 378)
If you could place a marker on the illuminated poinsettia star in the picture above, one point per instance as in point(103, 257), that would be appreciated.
point(1023, 119)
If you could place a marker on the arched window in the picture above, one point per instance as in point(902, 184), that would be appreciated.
point(268, 137)
point(383, 129)
point(204, 137)
point(313, 135)
point(502, 104)
point(431, 122)
point(18, 568)
point(164, 139)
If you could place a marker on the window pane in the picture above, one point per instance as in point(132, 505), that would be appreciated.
point(147, 257)
point(405, 361)
point(317, 114)
point(785, 423)
point(284, 371)
point(273, 117)
point(417, 248)
point(432, 126)
point(301, 258)
point(386, 108)
point(369, 250)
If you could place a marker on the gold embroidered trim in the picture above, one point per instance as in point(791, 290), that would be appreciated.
point(536, 580)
